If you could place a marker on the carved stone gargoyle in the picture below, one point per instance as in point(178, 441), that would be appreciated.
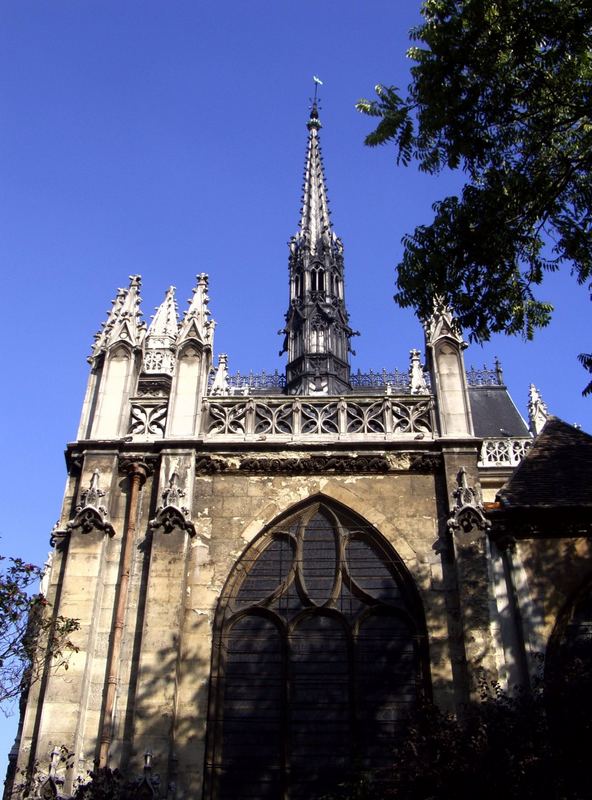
point(171, 514)
point(468, 513)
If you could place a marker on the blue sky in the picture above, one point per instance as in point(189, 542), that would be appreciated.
point(167, 138)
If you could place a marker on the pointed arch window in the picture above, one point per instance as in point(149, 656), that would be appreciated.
point(317, 279)
point(319, 654)
point(319, 338)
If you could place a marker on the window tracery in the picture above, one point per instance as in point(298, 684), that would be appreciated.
point(320, 652)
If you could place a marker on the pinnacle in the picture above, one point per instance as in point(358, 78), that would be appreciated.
point(196, 323)
point(165, 321)
point(124, 320)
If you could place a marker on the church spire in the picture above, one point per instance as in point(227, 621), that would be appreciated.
point(315, 220)
point(317, 330)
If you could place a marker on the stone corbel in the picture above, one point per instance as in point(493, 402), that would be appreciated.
point(468, 513)
point(172, 514)
point(90, 514)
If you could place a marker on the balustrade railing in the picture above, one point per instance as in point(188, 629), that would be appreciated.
point(486, 376)
point(318, 417)
point(507, 452)
point(396, 381)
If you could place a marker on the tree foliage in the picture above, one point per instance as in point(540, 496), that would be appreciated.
point(523, 745)
point(502, 90)
point(29, 634)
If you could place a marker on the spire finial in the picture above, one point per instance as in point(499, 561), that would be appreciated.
point(313, 120)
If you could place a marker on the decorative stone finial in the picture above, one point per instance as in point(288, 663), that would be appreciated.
point(442, 324)
point(537, 411)
point(196, 323)
point(417, 381)
point(468, 512)
point(221, 385)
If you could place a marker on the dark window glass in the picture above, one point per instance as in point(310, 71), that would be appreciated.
point(324, 666)
point(251, 711)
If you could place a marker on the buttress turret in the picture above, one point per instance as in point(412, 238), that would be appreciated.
point(115, 364)
point(193, 364)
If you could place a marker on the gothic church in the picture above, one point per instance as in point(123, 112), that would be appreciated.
point(270, 570)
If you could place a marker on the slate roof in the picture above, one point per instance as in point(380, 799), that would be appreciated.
point(494, 413)
point(556, 472)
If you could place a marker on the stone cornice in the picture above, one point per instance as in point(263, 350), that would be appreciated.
point(416, 456)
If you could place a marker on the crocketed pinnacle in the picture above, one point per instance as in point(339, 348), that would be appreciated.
point(315, 221)
point(196, 324)
point(124, 322)
point(165, 322)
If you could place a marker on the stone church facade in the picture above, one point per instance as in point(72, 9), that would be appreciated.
point(269, 570)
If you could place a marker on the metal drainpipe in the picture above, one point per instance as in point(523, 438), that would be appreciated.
point(138, 473)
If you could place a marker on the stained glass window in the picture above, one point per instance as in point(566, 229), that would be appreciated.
point(320, 653)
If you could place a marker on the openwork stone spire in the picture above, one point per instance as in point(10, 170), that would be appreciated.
point(165, 322)
point(159, 355)
point(315, 220)
point(317, 324)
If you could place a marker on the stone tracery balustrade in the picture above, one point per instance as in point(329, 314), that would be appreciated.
point(148, 417)
point(386, 417)
point(504, 452)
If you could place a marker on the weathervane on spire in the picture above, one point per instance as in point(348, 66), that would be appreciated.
point(317, 82)
point(313, 121)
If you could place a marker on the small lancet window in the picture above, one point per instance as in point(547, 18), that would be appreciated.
point(318, 338)
point(317, 279)
point(319, 654)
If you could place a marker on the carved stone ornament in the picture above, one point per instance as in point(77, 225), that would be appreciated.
point(48, 786)
point(537, 411)
point(48, 790)
point(424, 463)
point(143, 464)
point(171, 514)
point(417, 378)
point(314, 464)
point(210, 466)
point(468, 512)
point(147, 787)
point(442, 324)
point(90, 514)
point(221, 386)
